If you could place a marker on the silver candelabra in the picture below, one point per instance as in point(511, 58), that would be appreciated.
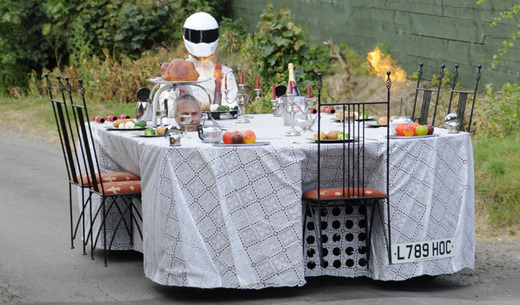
point(292, 108)
point(242, 99)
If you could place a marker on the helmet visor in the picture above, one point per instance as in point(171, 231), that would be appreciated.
point(198, 36)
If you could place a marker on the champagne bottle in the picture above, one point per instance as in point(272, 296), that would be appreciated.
point(292, 86)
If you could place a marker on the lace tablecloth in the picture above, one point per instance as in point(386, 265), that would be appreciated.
point(232, 216)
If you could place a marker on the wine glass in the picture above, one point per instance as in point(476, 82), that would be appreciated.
point(161, 114)
point(185, 120)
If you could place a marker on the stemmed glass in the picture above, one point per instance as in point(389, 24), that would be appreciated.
point(185, 120)
point(161, 114)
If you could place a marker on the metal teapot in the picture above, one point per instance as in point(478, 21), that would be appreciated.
point(143, 107)
point(210, 134)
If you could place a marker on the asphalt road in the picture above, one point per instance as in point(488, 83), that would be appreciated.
point(37, 265)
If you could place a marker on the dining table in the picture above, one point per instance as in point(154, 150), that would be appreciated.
point(231, 216)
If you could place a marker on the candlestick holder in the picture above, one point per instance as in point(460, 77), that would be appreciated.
point(278, 108)
point(292, 108)
point(243, 99)
point(258, 92)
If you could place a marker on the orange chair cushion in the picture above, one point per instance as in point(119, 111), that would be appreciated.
point(108, 177)
point(121, 187)
point(338, 192)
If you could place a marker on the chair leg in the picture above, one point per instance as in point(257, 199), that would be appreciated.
point(387, 234)
point(82, 215)
point(91, 231)
point(72, 235)
point(389, 244)
point(104, 231)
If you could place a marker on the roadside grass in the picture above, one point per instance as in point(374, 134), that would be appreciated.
point(34, 117)
point(497, 166)
point(497, 181)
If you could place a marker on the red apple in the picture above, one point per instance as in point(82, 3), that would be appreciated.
point(249, 137)
point(430, 129)
point(237, 138)
point(226, 137)
point(409, 130)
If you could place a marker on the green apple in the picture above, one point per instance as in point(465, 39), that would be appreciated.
point(421, 130)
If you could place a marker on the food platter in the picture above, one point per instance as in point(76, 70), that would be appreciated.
point(370, 118)
point(333, 140)
point(151, 136)
point(375, 125)
point(125, 129)
point(413, 137)
point(242, 145)
point(159, 80)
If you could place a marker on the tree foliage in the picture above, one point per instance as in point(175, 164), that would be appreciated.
point(50, 33)
point(278, 42)
point(510, 41)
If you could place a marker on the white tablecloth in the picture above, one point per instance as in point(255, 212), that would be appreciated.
point(232, 216)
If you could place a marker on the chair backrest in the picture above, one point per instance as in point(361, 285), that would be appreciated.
point(66, 132)
point(424, 111)
point(463, 98)
point(352, 157)
point(86, 139)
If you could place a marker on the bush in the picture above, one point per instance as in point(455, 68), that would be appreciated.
point(277, 43)
point(498, 115)
point(49, 34)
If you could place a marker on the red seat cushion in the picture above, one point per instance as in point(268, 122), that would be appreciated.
point(108, 177)
point(121, 187)
point(338, 192)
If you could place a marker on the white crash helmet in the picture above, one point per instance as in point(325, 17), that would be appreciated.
point(200, 34)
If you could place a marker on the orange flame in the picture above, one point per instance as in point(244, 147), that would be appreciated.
point(381, 63)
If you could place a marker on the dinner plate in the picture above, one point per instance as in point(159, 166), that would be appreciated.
point(376, 125)
point(332, 140)
point(370, 118)
point(125, 129)
point(414, 137)
point(242, 145)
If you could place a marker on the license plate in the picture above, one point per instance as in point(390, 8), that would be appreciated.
point(423, 251)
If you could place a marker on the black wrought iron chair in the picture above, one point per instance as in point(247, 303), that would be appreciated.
point(78, 170)
point(118, 194)
point(349, 186)
point(425, 104)
point(463, 99)
point(70, 155)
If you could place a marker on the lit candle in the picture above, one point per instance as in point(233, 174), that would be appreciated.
point(258, 82)
point(309, 90)
point(225, 82)
point(274, 92)
point(290, 87)
point(242, 77)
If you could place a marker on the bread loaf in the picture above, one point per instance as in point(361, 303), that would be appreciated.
point(332, 135)
point(179, 70)
point(323, 135)
point(161, 130)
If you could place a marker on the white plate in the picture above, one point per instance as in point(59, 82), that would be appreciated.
point(242, 145)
